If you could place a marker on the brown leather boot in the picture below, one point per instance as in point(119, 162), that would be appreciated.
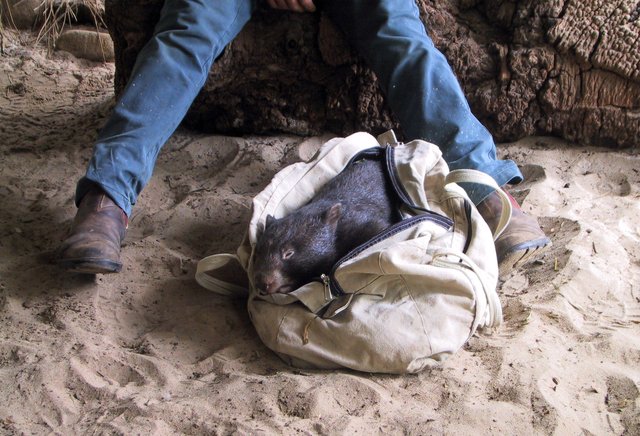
point(98, 229)
point(521, 241)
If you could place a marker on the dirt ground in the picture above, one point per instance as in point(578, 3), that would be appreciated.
point(148, 351)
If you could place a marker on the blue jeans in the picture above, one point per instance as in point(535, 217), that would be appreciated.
point(420, 87)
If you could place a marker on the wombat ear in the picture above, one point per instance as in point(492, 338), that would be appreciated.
point(270, 220)
point(332, 216)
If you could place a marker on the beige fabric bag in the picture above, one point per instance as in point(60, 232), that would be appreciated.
point(406, 300)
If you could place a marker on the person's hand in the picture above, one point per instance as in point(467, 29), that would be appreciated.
point(293, 5)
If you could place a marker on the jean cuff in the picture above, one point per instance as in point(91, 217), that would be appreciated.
point(86, 183)
point(507, 173)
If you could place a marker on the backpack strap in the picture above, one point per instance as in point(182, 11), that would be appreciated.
point(475, 176)
point(208, 267)
point(388, 141)
point(387, 138)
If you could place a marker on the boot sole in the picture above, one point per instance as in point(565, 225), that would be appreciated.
point(90, 266)
point(522, 254)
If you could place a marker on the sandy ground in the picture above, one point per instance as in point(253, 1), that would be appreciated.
point(149, 351)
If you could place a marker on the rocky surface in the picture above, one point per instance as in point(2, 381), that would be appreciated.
point(564, 67)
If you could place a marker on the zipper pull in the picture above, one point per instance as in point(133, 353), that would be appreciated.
point(327, 287)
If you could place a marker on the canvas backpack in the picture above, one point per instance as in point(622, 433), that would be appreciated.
point(405, 300)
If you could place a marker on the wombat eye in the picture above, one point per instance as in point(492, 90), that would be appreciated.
point(287, 254)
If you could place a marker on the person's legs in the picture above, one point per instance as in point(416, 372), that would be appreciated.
point(425, 96)
point(420, 86)
point(168, 74)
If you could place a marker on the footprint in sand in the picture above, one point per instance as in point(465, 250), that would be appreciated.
point(630, 227)
point(491, 356)
point(611, 314)
point(202, 155)
point(516, 317)
point(311, 398)
point(196, 165)
point(561, 231)
point(533, 174)
point(108, 379)
point(545, 416)
point(616, 184)
point(93, 375)
point(622, 395)
point(602, 180)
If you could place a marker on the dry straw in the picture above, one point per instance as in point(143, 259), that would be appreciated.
point(52, 16)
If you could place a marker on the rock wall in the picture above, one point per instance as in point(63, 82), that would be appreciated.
point(568, 68)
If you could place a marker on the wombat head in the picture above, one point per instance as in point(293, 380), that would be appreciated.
point(293, 250)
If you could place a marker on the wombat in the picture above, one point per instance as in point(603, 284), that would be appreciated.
point(348, 211)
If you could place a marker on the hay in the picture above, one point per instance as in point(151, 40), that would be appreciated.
point(57, 14)
point(52, 16)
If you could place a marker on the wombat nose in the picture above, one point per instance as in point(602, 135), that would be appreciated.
point(266, 285)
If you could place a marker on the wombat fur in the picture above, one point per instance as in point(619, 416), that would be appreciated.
point(348, 211)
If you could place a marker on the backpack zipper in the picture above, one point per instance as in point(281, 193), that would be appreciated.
point(326, 281)
point(331, 286)
point(390, 159)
